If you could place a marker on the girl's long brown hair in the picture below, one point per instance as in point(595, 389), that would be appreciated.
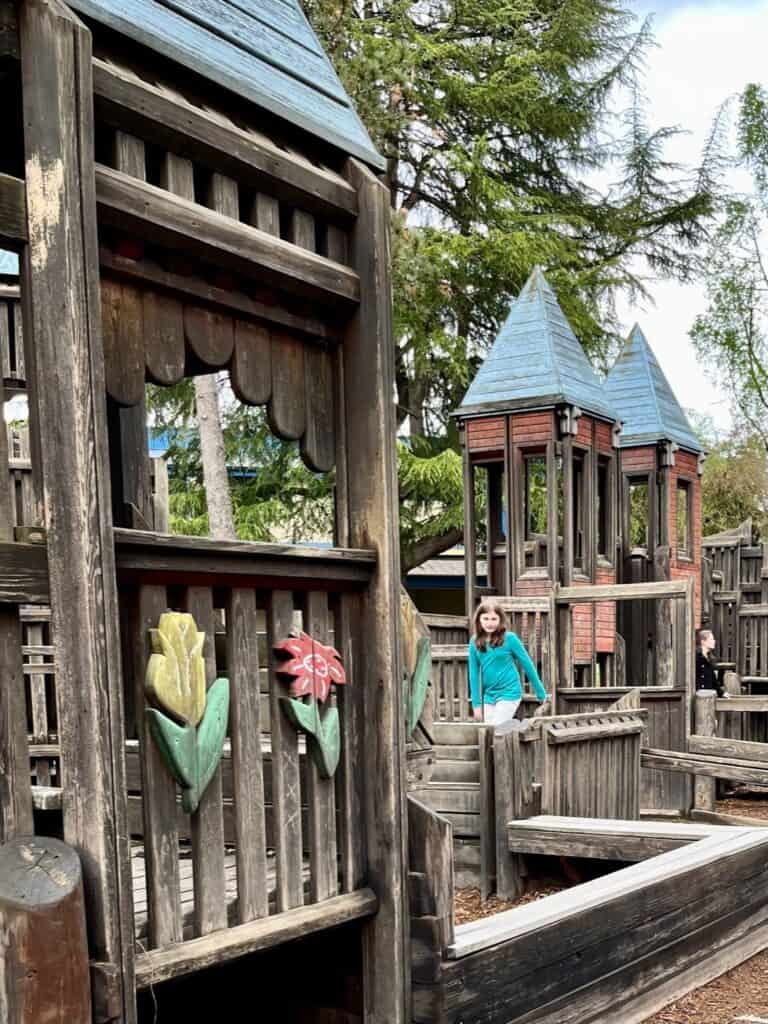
point(700, 634)
point(496, 639)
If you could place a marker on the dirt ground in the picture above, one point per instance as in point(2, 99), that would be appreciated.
point(740, 992)
point(467, 905)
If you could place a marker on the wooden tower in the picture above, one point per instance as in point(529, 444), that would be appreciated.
point(538, 424)
point(660, 494)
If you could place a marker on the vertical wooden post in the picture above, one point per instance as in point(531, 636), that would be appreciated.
point(373, 523)
point(664, 649)
point(6, 495)
point(553, 552)
point(15, 789)
point(487, 812)
point(64, 332)
point(470, 549)
point(44, 973)
point(705, 725)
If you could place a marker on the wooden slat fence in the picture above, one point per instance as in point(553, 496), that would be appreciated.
point(579, 765)
point(271, 834)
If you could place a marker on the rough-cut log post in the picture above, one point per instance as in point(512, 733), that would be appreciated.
point(373, 523)
point(44, 973)
point(64, 332)
point(705, 725)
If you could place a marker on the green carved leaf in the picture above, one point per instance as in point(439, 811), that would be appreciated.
point(324, 732)
point(327, 745)
point(419, 682)
point(177, 745)
point(302, 716)
point(211, 733)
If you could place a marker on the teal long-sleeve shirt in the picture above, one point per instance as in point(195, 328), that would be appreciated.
point(500, 678)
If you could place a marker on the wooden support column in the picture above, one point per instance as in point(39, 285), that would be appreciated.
point(705, 725)
point(664, 650)
point(44, 974)
point(15, 791)
point(553, 554)
point(470, 550)
point(129, 445)
point(373, 523)
point(64, 328)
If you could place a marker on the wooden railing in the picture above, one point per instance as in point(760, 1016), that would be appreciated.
point(271, 834)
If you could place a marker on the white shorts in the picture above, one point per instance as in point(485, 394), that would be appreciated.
point(500, 712)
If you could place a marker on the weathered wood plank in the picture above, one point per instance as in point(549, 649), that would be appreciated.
point(430, 846)
point(156, 215)
point(124, 100)
point(285, 765)
point(161, 837)
point(371, 498)
point(62, 274)
point(321, 797)
point(207, 823)
point(739, 750)
point(620, 592)
point(710, 767)
point(286, 410)
point(13, 211)
point(350, 789)
point(197, 954)
point(251, 369)
point(15, 791)
point(248, 781)
point(140, 551)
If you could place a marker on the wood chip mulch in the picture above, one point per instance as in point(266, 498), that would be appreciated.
point(747, 803)
point(467, 905)
point(739, 992)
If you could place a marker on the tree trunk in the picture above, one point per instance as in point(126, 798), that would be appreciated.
point(221, 521)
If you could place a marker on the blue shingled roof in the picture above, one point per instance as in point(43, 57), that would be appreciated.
point(9, 264)
point(536, 360)
point(638, 388)
point(263, 50)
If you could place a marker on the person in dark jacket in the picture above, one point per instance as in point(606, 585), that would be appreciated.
point(707, 675)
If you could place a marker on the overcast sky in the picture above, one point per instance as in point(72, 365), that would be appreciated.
point(706, 52)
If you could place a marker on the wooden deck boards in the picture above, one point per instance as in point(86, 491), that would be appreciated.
point(186, 889)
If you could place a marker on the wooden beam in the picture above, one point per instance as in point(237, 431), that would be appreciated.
point(126, 101)
point(742, 704)
point(620, 592)
point(195, 955)
point(63, 275)
point(706, 765)
point(24, 574)
point(144, 552)
point(603, 839)
point(13, 211)
point(159, 216)
point(739, 750)
point(301, 318)
point(372, 504)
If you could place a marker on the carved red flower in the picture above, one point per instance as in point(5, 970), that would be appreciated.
point(314, 666)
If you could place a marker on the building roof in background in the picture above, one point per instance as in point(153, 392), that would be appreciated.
point(9, 264)
point(646, 403)
point(536, 360)
point(262, 50)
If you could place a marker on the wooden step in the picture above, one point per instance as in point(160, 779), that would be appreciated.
point(464, 733)
point(463, 797)
point(455, 771)
point(456, 752)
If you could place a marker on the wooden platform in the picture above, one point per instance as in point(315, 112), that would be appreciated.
point(186, 889)
point(604, 839)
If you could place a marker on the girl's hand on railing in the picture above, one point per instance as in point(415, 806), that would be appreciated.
point(477, 714)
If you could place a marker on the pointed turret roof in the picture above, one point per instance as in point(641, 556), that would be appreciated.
point(262, 50)
point(638, 388)
point(536, 360)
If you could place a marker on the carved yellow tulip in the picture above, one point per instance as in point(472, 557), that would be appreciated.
point(175, 679)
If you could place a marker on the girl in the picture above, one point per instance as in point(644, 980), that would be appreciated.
point(707, 676)
point(494, 683)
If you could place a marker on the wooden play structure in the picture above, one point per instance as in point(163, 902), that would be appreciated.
point(189, 189)
point(207, 746)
